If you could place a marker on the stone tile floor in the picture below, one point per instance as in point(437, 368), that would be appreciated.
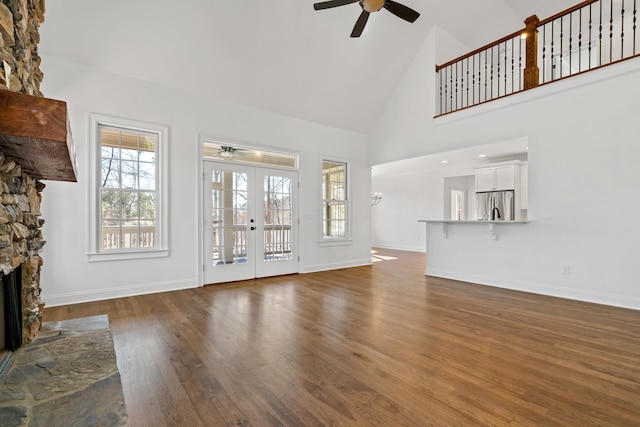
point(67, 377)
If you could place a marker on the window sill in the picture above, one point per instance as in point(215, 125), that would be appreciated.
point(119, 256)
point(335, 242)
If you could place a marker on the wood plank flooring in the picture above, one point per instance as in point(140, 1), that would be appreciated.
point(377, 345)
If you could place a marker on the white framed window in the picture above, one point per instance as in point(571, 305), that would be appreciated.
point(335, 201)
point(128, 217)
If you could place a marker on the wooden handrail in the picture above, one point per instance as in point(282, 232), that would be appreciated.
point(483, 48)
point(566, 12)
point(516, 33)
point(459, 90)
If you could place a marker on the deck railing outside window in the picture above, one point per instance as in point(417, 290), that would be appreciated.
point(589, 35)
point(118, 237)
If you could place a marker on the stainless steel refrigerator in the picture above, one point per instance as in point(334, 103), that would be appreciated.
point(495, 206)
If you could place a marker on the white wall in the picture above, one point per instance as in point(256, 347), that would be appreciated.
point(583, 181)
point(408, 196)
point(67, 277)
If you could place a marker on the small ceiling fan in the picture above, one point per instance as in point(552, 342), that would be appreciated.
point(368, 6)
point(227, 152)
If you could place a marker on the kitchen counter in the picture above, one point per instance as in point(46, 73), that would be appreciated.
point(492, 225)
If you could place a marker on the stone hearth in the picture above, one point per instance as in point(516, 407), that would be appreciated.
point(68, 376)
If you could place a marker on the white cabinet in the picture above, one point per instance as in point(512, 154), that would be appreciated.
point(485, 179)
point(496, 178)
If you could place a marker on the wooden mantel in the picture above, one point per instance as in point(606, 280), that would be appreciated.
point(34, 131)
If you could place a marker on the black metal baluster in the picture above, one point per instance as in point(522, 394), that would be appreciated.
point(611, 31)
point(553, 65)
point(590, 24)
point(520, 64)
point(580, 40)
point(505, 68)
point(544, 53)
point(498, 79)
point(561, 51)
point(634, 26)
point(622, 30)
point(457, 74)
point(491, 72)
point(459, 85)
point(485, 75)
point(440, 88)
point(513, 70)
point(570, 42)
point(600, 36)
point(446, 89)
point(451, 89)
point(473, 73)
point(467, 81)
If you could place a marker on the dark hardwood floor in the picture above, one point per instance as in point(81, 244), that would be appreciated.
point(378, 345)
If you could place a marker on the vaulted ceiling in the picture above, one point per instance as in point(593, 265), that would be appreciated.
point(279, 55)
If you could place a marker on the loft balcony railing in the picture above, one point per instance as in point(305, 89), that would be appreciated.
point(590, 35)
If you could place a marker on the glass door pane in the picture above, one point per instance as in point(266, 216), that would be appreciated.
point(278, 213)
point(277, 241)
point(229, 240)
point(229, 201)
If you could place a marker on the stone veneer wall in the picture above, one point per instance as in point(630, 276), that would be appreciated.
point(20, 222)
point(19, 37)
point(21, 238)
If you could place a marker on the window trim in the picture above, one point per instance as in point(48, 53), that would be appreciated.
point(336, 241)
point(94, 252)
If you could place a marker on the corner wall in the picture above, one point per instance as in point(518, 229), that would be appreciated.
point(583, 181)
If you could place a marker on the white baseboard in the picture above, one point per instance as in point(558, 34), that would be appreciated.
point(543, 289)
point(335, 266)
point(53, 300)
point(422, 249)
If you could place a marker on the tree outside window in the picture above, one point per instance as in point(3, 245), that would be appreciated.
point(128, 188)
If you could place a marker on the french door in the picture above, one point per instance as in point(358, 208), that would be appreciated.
point(250, 222)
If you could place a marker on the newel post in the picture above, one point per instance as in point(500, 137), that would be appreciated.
point(531, 71)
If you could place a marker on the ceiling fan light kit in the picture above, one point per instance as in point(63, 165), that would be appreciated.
point(368, 7)
point(371, 5)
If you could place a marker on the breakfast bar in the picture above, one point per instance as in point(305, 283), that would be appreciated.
point(492, 225)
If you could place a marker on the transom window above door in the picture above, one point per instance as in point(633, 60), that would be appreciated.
point(234, 153)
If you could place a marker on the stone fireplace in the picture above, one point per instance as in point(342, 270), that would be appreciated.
point(35, 145)
point(20, 243)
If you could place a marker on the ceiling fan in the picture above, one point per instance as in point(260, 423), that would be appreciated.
point(368, 6)
point(227, 152)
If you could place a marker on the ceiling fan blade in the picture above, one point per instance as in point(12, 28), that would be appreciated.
point(401, 11)
point(332, 3)
point(360, 23)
